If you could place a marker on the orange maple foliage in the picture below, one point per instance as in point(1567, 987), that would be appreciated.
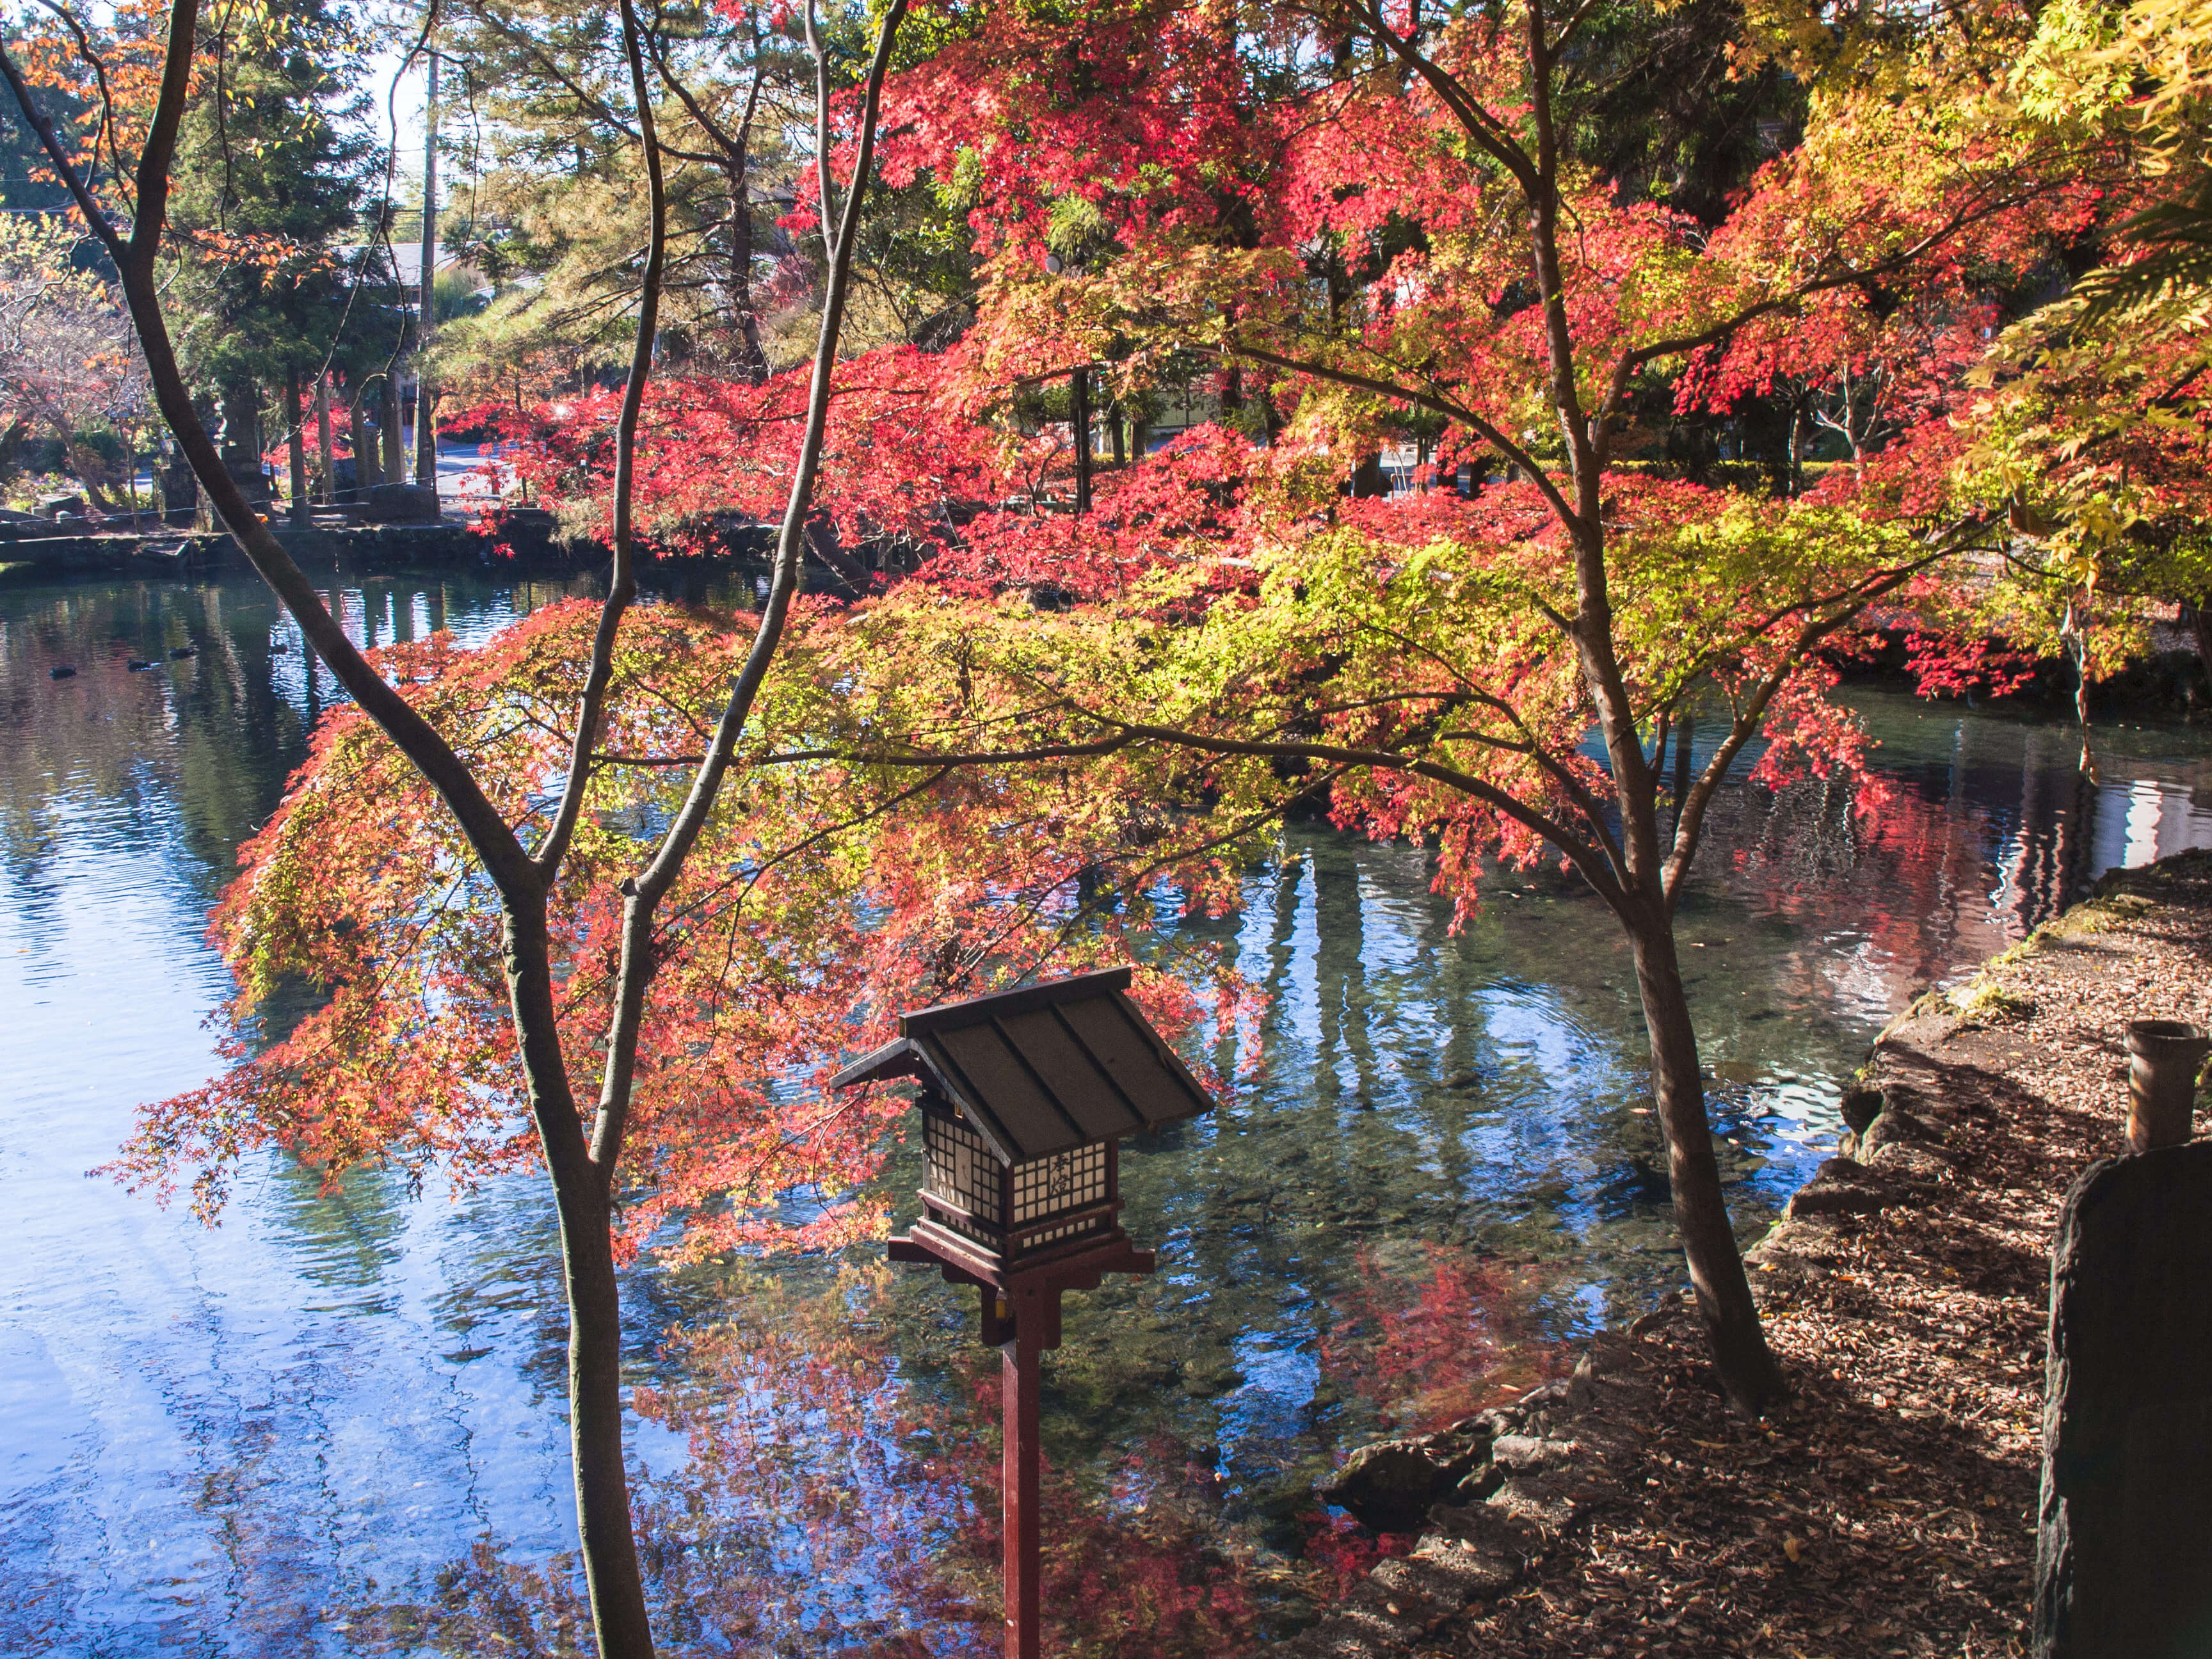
point(826, 896)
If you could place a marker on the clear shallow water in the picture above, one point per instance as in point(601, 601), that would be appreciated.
point(333, 1423)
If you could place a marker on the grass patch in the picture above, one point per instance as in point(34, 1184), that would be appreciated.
point(1989, 1001)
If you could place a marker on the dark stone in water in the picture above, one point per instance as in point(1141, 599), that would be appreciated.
point(183, 651)
point(279, 649)
point(139, 664)
point(61, 673)
point(1203, 1383)
point(1389, 1485)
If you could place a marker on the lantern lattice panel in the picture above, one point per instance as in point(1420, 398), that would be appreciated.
point(963, 1172)
point(1066, 1180)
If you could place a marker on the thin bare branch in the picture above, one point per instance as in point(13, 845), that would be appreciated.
point(621, 581)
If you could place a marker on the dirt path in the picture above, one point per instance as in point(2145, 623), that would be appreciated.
point(1890, 1508)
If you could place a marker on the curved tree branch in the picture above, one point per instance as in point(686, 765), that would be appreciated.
point(622, 581)
point(642, 893)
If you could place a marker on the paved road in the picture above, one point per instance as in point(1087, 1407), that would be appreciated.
point(462, 483)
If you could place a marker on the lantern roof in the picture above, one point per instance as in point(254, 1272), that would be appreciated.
point(1044, 1068)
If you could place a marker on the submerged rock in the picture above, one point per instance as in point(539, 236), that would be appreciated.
point(1389, 1486)
point(62, 673)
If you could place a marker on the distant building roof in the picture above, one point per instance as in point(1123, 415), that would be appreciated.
point(406, 261)
point(1044, 1068)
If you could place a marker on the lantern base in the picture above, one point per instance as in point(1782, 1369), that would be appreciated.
point(1029, 1286)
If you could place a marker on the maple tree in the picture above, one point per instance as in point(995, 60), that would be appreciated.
point(523, 890)
point(712, 450)
point(1379, 226)
point(2094, 418)
point(1370, 217)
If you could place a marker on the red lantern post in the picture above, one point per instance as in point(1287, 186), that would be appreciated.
point(1018, 1490)
point(1024, 1097)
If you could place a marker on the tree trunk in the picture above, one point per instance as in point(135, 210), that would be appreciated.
point(295, 446)
point(91, 471)
point(1797, 445)
point(2078, 653)
point(1078, 400)
point(395, 458)
point(426, 447)
point(1686, 739)
point(1747, 1369)
point(426, 322)
point(595, 1422)
point(741, 276)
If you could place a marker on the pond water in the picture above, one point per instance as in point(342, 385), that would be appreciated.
point(333, 1424)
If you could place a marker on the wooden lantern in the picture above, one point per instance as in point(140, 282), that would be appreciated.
point(1024, 1097)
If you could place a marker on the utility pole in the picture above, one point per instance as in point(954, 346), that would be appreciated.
point(426, 436)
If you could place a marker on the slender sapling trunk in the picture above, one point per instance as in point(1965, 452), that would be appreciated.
point(1725, 1308)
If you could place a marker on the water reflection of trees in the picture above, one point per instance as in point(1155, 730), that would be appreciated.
point(192, 751)
point(1949, 858)
point(1431, 1106)
point(1432, 1347)
point(838, 1488)
point(190, 756)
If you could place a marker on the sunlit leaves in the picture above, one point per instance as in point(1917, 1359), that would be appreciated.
point(826, 896)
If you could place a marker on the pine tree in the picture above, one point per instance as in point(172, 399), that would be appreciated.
point(270, 188)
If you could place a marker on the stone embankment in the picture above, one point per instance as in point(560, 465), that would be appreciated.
point(174, 553)
point(1888, 1509)
point(526, 538)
